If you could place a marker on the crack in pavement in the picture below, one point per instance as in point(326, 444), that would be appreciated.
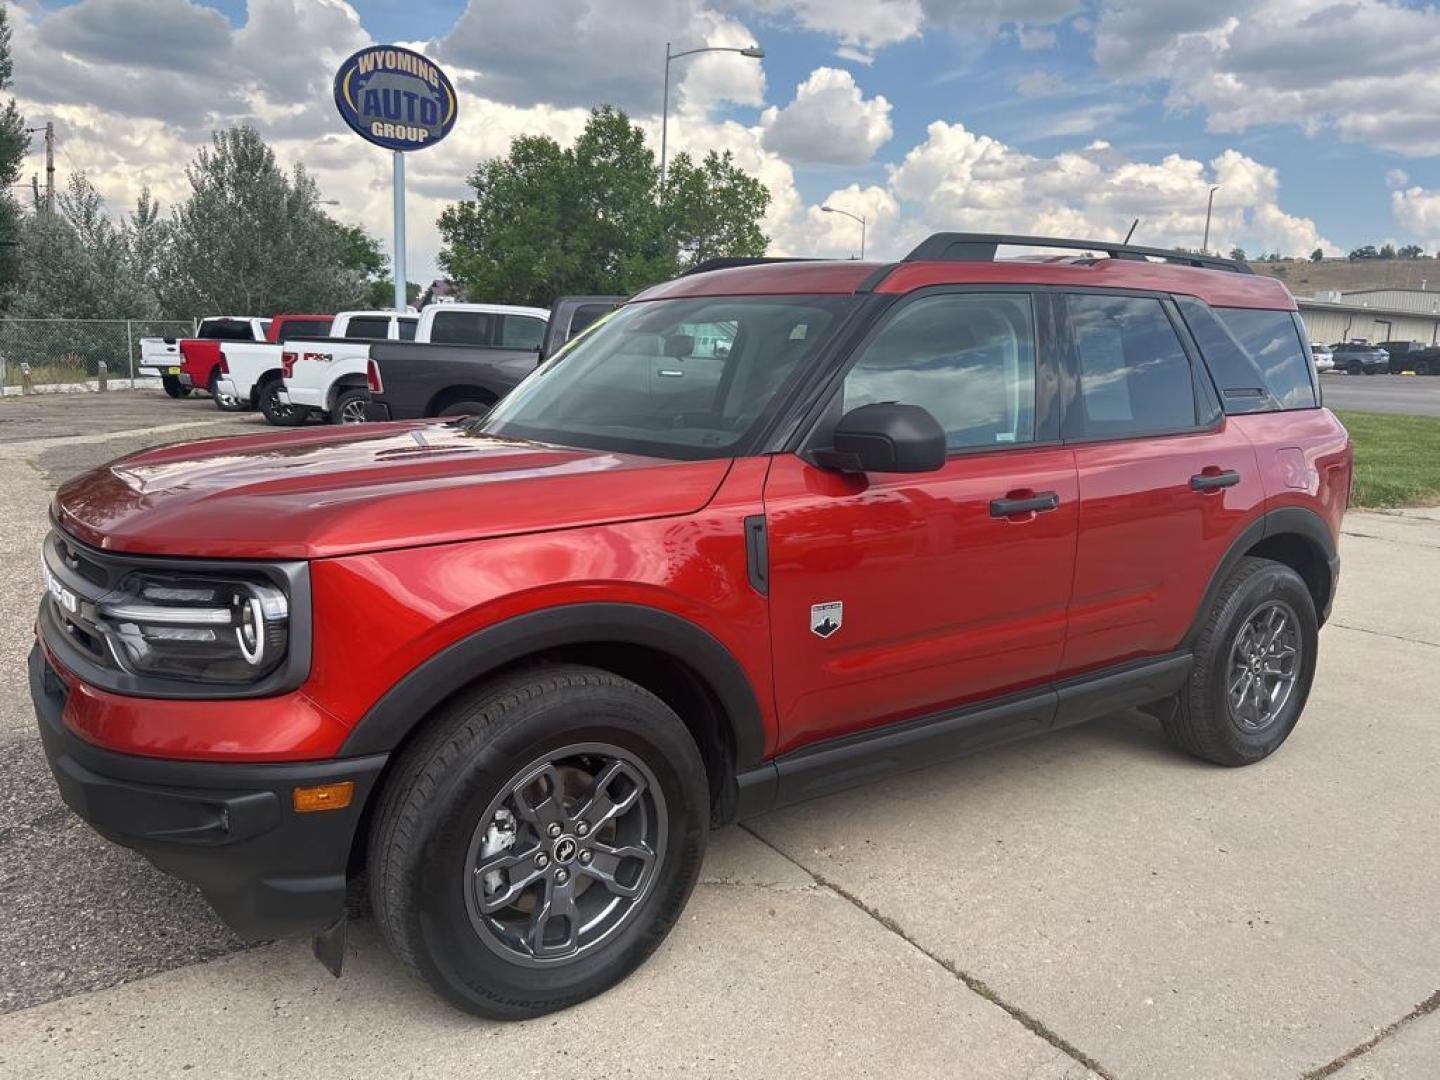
point(1382, 633)
point(1389, 539)
point(972, 982)
point(1425, 1008)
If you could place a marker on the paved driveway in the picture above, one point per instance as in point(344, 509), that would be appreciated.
point(1409, 395)
point(1087, 903)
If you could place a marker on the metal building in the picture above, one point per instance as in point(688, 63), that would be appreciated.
point(1372, 315)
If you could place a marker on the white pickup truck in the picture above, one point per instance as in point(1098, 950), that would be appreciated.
point(160, 357)
point(329, 377)
point(251, 371)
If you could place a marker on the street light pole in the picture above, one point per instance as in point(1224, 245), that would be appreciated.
point(754, 52)
point(853, 217)
point(1209, 206)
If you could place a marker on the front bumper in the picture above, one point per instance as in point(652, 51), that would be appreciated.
point(229, 828)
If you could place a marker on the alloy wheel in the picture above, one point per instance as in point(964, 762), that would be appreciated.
point(1264, 666)
point(352, 412)
point(566, 854)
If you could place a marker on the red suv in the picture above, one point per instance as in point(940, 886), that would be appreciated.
point(766, 532)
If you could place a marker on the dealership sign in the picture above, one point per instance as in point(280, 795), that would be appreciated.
point(395, 98)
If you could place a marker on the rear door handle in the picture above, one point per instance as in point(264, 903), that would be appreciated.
point(1214, 480)
point(1039, 503)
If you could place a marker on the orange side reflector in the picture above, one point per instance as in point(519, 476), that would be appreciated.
point(325, 797)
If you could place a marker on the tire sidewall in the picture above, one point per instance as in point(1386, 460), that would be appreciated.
point(1272, 583)
point(470, 971)
point(270, 406)
point(344, 398)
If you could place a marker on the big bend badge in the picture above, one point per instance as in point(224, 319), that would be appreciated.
point(825, 619)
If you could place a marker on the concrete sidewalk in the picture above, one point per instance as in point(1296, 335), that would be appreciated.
point(1087, 903)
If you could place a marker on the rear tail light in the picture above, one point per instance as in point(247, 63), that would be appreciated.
point(372, 377)
point(287, 364)
point(224, 367)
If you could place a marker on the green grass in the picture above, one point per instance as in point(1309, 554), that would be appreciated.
point(1397, 460)
point(62, 370)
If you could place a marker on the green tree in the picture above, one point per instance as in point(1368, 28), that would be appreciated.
point(1411, 251)
point(14, 143)
point(1238, 254)
point(713, 209)
point(547, 220)
point(1388, 251)
point(1317, 255)
point(252, 240)
point(1365, 252)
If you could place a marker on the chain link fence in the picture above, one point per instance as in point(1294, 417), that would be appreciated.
point(66, 352)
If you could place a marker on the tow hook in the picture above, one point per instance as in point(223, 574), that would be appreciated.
point(329, 945)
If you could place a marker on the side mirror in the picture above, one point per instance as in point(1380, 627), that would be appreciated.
point(886, 437)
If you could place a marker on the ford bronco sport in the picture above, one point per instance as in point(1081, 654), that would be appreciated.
point(769, 531)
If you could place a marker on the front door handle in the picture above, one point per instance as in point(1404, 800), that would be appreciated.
point(1017, 503)
point(1213, 479)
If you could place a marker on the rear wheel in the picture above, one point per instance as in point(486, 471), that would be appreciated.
point(225, 402)
point(278, 412)
point(350, 406)
point(1254, 662)
point(1354, 368)
point(539, 840)
point(466, 408)
point(1422, 367)
point(173, 386)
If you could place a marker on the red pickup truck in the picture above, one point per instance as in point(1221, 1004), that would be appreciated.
point(202, 362)
point(768, 531)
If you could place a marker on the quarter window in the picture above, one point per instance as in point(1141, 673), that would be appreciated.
point(1134, 375)
point(406, 328)
point(461, 328)
point(1272, 342)
point(521, 332)
point(968, 358)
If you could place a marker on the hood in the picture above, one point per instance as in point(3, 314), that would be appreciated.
point(339, 491)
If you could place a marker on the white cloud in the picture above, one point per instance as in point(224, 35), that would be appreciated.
point(829, 122)
point(862, 24)
point(1417, 210)
point(957, 179)
point(1033, 38)
point(1364, 68)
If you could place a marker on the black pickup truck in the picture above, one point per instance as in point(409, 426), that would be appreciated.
point(408, 380)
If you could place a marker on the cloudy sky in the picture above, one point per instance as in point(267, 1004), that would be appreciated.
point(1316, 117)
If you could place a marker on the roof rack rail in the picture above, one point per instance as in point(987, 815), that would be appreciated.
point(980, 247)
point(726, 262)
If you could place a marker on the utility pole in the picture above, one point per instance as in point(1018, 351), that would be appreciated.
point(50, 167)
point(35, 187)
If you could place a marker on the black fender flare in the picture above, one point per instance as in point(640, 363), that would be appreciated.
point(410, 700)
point(1293, 520)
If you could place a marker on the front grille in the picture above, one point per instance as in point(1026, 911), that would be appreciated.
point(82, 575)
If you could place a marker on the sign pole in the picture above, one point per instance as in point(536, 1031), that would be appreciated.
point(401, 300)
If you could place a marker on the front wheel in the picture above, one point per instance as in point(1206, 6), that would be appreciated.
point(280, 413)
point(539, 840)
point(1254, 662)
point(173, 387)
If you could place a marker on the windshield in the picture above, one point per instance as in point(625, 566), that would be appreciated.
point(691, 378)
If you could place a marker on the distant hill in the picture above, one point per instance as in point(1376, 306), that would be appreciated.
point(1305, 278)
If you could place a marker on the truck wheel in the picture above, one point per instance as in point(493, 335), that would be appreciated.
point(1422, 367)
point(467, 408)
point(1354, 368)
point(225, 402)
point(1254, 662)
point(278, 412)
point(538, 840)
point(350, 406)
point(173, 388)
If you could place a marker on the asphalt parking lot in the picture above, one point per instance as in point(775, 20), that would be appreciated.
point(1407, 395)
point(1087, 903)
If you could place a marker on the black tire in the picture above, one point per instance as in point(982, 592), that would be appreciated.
point(225, 404)
point(275, 410)
point(350, 405)
point(1422, 367)
point(467, 408)
point(173, 387)
point(1204, 722)
point(1354, 368)
point(451, 778)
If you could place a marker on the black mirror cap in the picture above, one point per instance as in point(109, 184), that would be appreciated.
point(886, 437)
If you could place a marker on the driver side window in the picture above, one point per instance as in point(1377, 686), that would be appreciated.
point(968, 358)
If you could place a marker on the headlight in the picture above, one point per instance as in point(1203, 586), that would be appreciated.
point(210, 629)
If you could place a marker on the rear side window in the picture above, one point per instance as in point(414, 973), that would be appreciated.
point(370, 327)
point(461, 328)
point(1273, 344)
point(585, 316)
point(406, 328)
point(1135, 378)
point(521, 332)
